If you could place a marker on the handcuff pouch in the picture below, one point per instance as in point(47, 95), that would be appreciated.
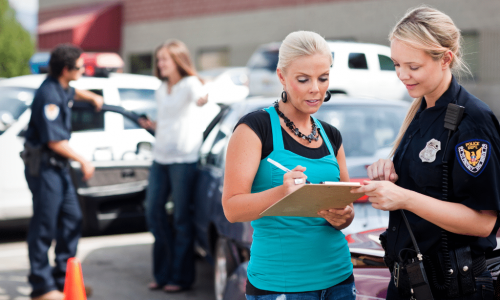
point(465, 270)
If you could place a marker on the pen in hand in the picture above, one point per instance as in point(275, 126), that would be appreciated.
point(280, 166)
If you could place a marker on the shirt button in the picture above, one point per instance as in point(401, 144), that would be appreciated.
point(394, 228)
point(409, 136)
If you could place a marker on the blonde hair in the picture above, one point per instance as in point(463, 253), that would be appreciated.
point(434, 32)
point(180, 55)
point(301, 43)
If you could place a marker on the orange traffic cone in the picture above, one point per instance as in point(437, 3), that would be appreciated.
point(73, 287)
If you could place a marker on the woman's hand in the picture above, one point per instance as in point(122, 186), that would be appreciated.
point(146, 123)
point(383, 169)
point(339, 218)
point(293, 180)
point(384, 195)
point(202, 100)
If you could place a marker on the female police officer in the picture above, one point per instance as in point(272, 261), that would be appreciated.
point(453, 218)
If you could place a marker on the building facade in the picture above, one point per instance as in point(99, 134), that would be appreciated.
point(227, 32)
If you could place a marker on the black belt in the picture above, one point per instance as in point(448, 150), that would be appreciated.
point(55, 160)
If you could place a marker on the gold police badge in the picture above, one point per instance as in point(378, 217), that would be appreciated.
point(473, 156)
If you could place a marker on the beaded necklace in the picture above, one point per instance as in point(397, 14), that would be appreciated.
point(315, 131)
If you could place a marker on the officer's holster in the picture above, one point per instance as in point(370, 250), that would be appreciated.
point(32, 158)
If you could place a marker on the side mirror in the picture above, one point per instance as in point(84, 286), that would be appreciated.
point(144, 150)
point(6, 119)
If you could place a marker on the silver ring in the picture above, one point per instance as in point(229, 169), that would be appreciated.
point(299, 181)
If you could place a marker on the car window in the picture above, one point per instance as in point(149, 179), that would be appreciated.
point(85, 119)
point(357, 61)
point(267, 60)
point(13, 102)
point(386, 63)
point(364, 129)
point(137, 94)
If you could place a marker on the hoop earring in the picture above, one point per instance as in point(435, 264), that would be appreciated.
point(328, 96)
point(284, 97)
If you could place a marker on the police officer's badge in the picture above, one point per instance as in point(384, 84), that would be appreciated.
point(428, 154)
point(473, 155)
point(51, 111)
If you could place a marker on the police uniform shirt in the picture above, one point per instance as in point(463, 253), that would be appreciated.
point(50, 113)
point(473, 156)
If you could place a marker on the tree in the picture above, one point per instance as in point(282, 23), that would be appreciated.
point(16, 45)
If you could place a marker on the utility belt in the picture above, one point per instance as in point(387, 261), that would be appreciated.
point(34, 156)
point(465, 267)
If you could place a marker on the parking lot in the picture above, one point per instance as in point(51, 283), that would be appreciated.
point(115, 266)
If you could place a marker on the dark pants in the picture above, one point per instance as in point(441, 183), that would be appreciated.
point(56, 215)
point(173, 254)
point(484, 290)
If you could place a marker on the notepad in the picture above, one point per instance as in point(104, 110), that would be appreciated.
point(311, 198)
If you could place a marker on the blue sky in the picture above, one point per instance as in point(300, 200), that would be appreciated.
point(26, 13)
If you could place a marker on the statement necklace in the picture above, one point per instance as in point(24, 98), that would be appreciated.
point(314, 134)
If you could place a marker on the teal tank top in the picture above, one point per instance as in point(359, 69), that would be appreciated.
point(296, 254)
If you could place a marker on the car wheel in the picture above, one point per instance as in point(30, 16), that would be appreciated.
point(225, 264)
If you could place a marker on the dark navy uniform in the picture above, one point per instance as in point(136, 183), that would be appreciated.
point(473, 156)
point(56, 212)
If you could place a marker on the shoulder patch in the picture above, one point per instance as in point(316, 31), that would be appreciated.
point(473, 155)
point(51, 111)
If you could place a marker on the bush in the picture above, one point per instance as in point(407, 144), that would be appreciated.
point(16, 45)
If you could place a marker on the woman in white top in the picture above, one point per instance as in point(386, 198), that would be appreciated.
point(178, 138)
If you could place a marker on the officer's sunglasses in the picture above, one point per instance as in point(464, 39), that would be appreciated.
point(78, 68)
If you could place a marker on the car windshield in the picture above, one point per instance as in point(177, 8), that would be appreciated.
point(365, 129)
point(13, 102)
point(264, 60)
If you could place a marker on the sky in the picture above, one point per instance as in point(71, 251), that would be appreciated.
point(26, 13)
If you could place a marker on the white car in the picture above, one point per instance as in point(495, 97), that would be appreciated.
point(111, 139)
point(226, 85)
point(359, 70)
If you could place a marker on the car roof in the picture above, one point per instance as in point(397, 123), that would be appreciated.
point(118, 79)
point(257, 102)
point(334, 45)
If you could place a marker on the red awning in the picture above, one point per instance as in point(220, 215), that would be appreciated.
point(94, 28)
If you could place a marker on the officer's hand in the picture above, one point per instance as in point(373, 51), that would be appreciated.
point(337, 217)
point(384, 195)
point(87, 170)
point(293, 180)
point(98, 101)
point(383, 169)
point(202, 101)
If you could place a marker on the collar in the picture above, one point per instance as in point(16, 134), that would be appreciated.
point(428, 116)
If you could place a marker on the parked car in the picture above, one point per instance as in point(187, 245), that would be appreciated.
point(368, 127)
point(358, 70)
point(226, 85)
point(111, 139)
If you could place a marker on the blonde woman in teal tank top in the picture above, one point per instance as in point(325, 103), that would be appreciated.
point(291, 257)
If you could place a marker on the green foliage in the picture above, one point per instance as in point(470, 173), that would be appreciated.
point(16, 45)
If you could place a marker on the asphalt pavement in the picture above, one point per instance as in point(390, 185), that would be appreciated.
point(114, 266)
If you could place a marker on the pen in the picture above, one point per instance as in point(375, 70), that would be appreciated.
point(280, 166)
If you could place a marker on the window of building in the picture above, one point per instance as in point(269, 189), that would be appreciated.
point(471, 54)
point(386, 63)
point(210, 58)
point(357, 61)
point(141, 64)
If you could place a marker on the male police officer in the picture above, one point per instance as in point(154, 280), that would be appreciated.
point(56, 212)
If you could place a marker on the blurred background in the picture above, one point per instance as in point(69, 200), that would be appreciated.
point(222, 33)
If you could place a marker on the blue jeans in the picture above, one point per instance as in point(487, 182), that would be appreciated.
point(56, 216)
point(336, 292)
point(173, 254)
